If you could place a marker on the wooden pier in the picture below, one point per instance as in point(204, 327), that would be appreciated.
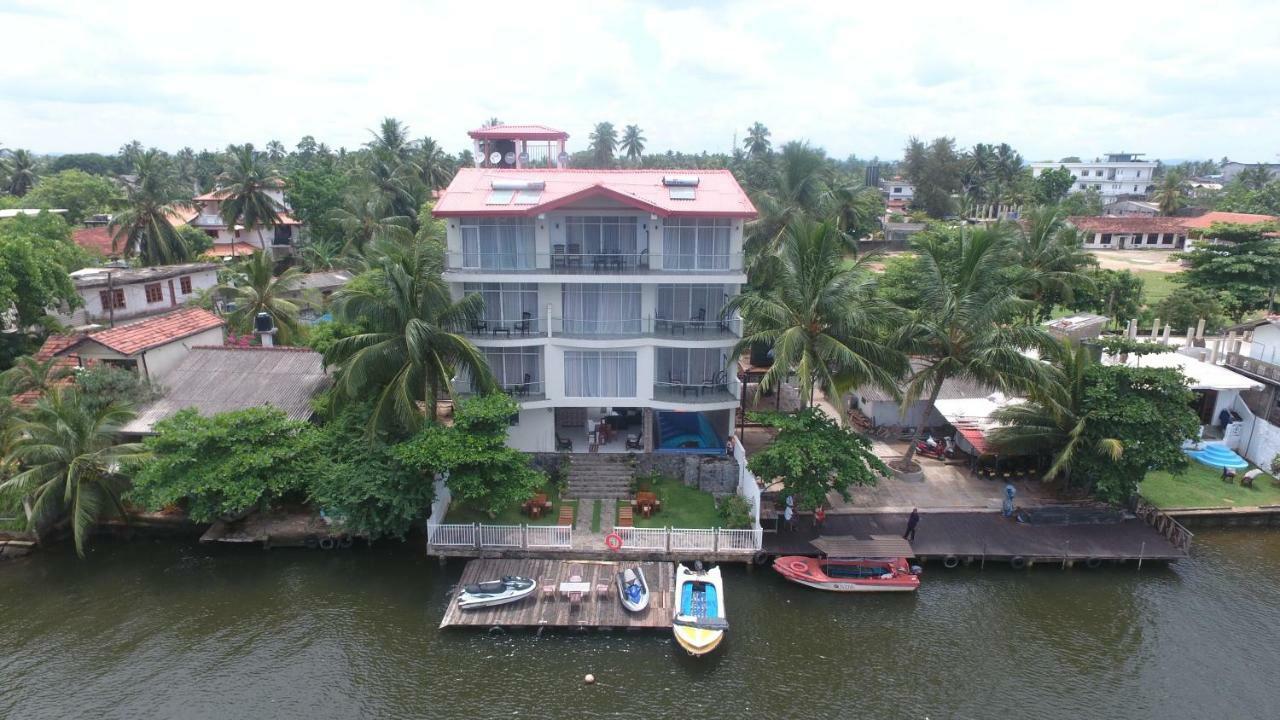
point(541, 610)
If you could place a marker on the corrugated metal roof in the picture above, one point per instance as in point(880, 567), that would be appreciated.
point(951, 389)
point(221, 379)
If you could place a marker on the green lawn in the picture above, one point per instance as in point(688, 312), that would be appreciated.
point(682, 507)
point(12, 516)
point(1202, 486)
point(1156, 285)
point(595, 515)
point(511, 515)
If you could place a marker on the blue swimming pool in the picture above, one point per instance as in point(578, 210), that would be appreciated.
point(689, 432)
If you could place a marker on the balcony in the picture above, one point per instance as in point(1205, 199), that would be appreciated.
point(1257, 368)
point(603, 263)
point(527, 326)
point(694, 329)
point(528, 391)
point(721, 389)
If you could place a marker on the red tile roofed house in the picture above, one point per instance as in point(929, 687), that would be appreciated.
point(603, 289)
point(278, 240)
point(99, 239)
point(66, 361)
point(1200, 227)
point(152, 346)
point(1130, 233)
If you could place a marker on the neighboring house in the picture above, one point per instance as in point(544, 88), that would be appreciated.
point(1131, 208)
point(897, 189)
point(1231, 169)
point(123, 293)
point(151, 347)
point(1129, 233)
point(1198, 227)
point(54, 347)
point(98, 237)
point(235, 241)
point(898, 234)
point(884, 410)
point(1259, 359)
point(218, 379)
point(603, 296)
point(312, 290)
point(1120, 175)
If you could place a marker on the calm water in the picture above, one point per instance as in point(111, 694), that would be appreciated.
point(170, 631)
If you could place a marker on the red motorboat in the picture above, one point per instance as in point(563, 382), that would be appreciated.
point(851, 575)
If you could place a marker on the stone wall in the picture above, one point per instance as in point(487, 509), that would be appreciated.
point(717, 475)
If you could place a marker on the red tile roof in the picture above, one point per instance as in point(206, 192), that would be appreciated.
point(1209, 218)
point(524, 132)
point(94, 239)
point(55, 344)
point(717, 194)
point(1135, 224)
point(238, 249)
point(155, 331)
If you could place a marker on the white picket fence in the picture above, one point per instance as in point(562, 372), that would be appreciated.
point(689, 539)
point(509, 536)
point(476, 535)
point(634, 538)
point(548, 536)
point(442, 535)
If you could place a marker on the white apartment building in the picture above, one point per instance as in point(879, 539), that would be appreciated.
point(897, 189)
point(1120, 175)
point(231, 241)
point(604, 292)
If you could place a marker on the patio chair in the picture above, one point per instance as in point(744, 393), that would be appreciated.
point(557, 256)
point(479, 326)
point(699, 319)
point(525, 324)
point(635, 441)
point(574, 256)
point(522, 390)
point(718, 382)
point(563, 443)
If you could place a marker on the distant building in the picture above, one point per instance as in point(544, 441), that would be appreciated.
point(135, 292)
point(235, 241)
point(897, 189)
point(1130, 233)
point(1131, 208)
point(1120, 175)
point(1198, 226)
point(150, 347)
point(98, 237)
point(15, 212)
point(1231, 169)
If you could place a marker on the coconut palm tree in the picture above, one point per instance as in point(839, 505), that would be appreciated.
point(492, 122)
point(434, 164)
point(259, 290)
point(967, 326)
point(413, 349)
point(855, 209)
point(245, 183)
point(798, 191)
point(275, 151)
point(1052, 422)
point(1171, 192)
point(1254, 177)
point(633, 142)
point(757, 140)
point(603, 143)
point(365, 217)
point(21, 173)
point(29, 373)
point(145, 227)
point(184, 163)
point(1049, 259)
point(392, 169)
point(821, 317)
point(69, 453)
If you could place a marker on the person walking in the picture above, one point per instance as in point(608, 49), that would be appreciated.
point(912, 522)
point(819, 517)
point(789, 513)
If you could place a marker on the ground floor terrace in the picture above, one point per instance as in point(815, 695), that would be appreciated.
point(620, 429)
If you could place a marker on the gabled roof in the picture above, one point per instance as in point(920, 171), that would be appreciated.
point(1209, 218)
point(1130, 224)
point(235, 249)
point(154, 331)
point(524, 132)
point(217, 379)
point(94, 239)
point(716, 195)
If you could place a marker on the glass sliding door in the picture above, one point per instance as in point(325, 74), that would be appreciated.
point(696, 244)
point(509, 306)
point(608, 374)
point(602, 242)
point(601, 309)
point(688, 366)
point(688, 307)
point(498, 243)
point(517, 370)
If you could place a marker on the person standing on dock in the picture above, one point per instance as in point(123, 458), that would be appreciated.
point(912, 522)
point(819, 517)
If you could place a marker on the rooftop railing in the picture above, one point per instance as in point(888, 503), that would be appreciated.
point(585, 263)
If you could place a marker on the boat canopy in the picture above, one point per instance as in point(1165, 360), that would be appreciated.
point(877, 546)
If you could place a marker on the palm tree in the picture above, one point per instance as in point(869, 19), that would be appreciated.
point(30, 373)
point(979, 169)
point(604, 141)
point(434, 164)
point(413, 349)
point(275, 151)
point(1049, 259)
point(1053, 422)
point(392, 170)
point(244, 187)
point(821, 317)
point(144, 228)
point(855, 209)
point(492, 122)
point(21, 173)
point(70, 453)
point(319, 256)
point(185, 166)
point(757, 140)
point(798, 191)
point(129, 154)
point(1254, 177)
point(1171, 192)
point(365, 217)
point(633, 142)
point(259, 290)
point(966, 327)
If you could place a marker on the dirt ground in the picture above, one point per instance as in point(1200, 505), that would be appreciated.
point(1155, 260)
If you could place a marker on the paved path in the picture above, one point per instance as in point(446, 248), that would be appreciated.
point(583, 538)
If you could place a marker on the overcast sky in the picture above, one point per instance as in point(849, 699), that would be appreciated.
point(1174, 82)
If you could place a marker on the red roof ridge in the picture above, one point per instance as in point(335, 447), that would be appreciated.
point(156, 330)
point(255, 348)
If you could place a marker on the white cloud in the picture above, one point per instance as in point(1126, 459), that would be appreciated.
point(1078, 79)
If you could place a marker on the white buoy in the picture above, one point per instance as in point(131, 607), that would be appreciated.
point(589, 679)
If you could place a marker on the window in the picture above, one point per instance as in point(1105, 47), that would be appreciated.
point(1137, 174)
point(1097, 173)
point(599, 374)
point(498, 243)
point(516, 369)
point(897, 190)
point(602, 235)
point(212, 233)
point(154, 293)
point(688, 366)
point(1167, 239)
point(283, 235)
point(1105, 239)
point(696, 244)
point(184, 284)
point(1081, 186)
point(506, 303)
point(106, 306)
point(592, 309)
point(682, 303)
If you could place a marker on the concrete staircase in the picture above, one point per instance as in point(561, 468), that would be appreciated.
point(596, 475)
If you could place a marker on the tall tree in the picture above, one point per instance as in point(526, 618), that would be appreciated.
point(145, 227)
point(855, 209)
point(757, 140)
point(796, 192)
point(604, 141)
point(1171, 191)
point(821, 317)
point(70, 454)
point(1051, 186)
point(1243, 267)
point(935, 171)
point(275, 151)
point(435, 166)
point(21, 173)
point(365, 217)
point(1049, 261)
point(814, 455)
point(413, 346)
point(258, 290)
point(391, 168)
point(1254, 177)
point(967, 325)
point(633, 142)
point(245, 186)
point(75, 191)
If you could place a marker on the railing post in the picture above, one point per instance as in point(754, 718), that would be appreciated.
point(668, 529)
point(524, 536)
point(475, 529)
point(715, 540)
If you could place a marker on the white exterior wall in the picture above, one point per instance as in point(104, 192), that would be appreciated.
point(1116, 178)
point(156, 362)
point(1135, 241)
point(1266, 344)
point(535, 432)
point(135, 299)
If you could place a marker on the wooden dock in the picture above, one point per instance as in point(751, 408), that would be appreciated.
point(538, 610)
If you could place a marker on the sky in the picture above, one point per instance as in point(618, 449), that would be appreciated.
point(1169, 79)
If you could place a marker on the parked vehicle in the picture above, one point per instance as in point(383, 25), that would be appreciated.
point(495, 592)
point(633, 591)
point(700, 616)
point(850, 575)
point(929, 447)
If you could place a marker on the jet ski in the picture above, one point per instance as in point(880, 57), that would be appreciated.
point(495, 592)
point(633, 591)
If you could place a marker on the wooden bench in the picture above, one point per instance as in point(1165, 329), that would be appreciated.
point(566, 515)
point(626, 518)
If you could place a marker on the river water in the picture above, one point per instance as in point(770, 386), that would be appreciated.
point(169, 630)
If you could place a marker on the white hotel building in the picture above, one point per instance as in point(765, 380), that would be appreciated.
point(1120, 175)
point(603, 295)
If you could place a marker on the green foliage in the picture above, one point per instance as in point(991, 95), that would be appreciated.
point(226, 464)
point(91, 163)
point(1051, 186)
point(1115, 294)
point(103, 385)
point(814, 455)
point(1148, 411)
point(195, 239)
point(1085, 202)
point(1119, 345)
point(900, 283)
point(78, 192)
point(1186, 307)
point(257, 289)
point(1240, 197)
point(313, 194)
point(735, 513)
point(483, 472)
point(935, 172)
point(321, 336)
point(1243, 269)
point(36, 253)
point(144, 226)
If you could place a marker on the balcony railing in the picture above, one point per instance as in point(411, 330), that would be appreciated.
point(603, 263)
point(505, 328)
point(1265, 370)
point(689, 329)
point(521, 391)
point(713, 391)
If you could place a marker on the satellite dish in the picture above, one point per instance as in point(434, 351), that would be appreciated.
point(510, 157)
point(524, 158)
point(563, 157)
point(495, 157)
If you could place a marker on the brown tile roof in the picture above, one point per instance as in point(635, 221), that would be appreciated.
point(1209, 218)
point(94, 239)
point(54, 345)
point(156, 331)
point(236, 249)
point(1109, 224)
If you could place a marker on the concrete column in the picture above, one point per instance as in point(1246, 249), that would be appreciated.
point(519, 149)
point(1168, 330)
point(1191, 336)
point(1213, 351)
point(1155, 328)
point(1200, 329)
